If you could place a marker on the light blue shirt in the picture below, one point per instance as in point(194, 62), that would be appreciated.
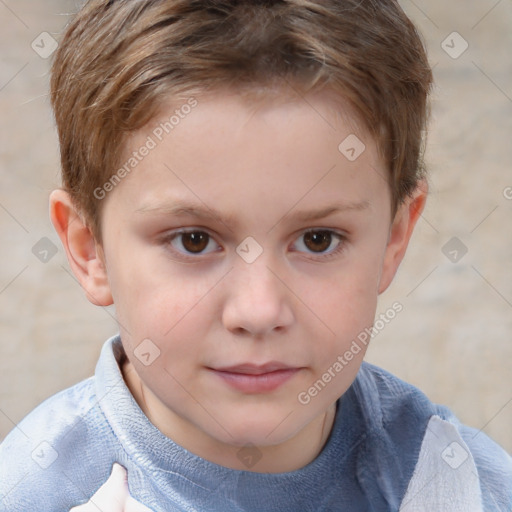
point(390, 449)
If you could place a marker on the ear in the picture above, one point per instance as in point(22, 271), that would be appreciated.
point(84, 254)
point(400, 233)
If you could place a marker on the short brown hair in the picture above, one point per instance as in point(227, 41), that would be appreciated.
point(120, 60)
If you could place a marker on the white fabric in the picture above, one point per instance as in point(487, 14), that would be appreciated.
point(445, 478)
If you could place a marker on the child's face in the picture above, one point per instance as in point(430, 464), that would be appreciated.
point(297, 306)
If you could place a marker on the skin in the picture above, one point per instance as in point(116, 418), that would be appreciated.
point(300, 302)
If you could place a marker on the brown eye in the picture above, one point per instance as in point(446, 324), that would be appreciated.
point(318, 241)
point(324, 243)
point(190, 244)
point(195, 242)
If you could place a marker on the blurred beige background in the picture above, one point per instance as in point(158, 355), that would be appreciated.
point(453, 338)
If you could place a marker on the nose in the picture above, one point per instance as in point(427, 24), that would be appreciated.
point(258, 302)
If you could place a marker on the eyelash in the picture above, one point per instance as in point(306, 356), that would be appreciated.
point(342, 239)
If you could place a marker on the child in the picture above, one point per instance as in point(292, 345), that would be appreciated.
point(241, 179)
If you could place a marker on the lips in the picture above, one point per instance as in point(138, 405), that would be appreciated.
point(250, 378)
point(252, 369)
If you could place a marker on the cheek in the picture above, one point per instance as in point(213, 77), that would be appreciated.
point(346, 304)
point(349, 312)
point(163, 335)
point(151, 291)
point(165, 313)
point(349, 299)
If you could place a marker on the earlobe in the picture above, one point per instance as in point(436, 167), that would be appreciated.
point(84, 254)
point(401, 232)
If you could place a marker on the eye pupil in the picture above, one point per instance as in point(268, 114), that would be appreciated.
point(321, 240)
point(198, 241)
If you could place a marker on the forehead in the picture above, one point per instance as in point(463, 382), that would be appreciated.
point(268, 147)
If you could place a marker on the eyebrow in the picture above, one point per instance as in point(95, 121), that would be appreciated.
point(199, 211)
